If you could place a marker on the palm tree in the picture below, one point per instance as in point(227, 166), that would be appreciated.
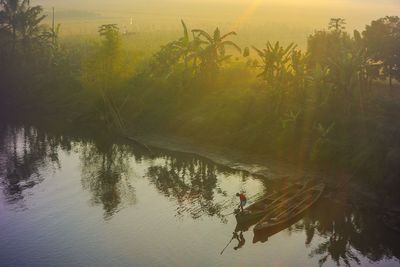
point(10, 10)
point(215, 51)
point(22, 20)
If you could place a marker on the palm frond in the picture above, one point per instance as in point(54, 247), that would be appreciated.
point(230, 43)
point(185, 32)
point(203, 33)
point(259, 52)
point(217, 34)
point(228, 34)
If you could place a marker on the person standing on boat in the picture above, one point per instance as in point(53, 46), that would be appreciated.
point(243, 200)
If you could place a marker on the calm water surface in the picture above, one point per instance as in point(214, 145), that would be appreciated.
point(72, 201)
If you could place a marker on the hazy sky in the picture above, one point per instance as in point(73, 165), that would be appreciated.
point(300, 11)
point(275, 19)
point(116, 4)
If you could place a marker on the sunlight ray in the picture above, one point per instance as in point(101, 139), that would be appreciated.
point(246, 14)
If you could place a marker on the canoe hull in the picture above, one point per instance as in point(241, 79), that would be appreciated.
point(263, 234)
point(268, 223)
point(249, 217)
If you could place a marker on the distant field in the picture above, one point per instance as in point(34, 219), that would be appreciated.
point(256, 22)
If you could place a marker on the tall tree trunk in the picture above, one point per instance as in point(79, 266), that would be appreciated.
point(14, 44)
point(114, 112)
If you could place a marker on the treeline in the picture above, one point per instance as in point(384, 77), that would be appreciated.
point(334, 105)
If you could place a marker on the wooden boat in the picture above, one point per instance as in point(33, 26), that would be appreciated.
point(256, 211)
point(282, 213)
point(263, 235)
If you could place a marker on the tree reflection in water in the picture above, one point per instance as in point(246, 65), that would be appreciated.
point(105, 173)
point(105, 169)
point(344, 234)
point(336, 227)
point(24, 153)
point(347, 232)
point(193, 183)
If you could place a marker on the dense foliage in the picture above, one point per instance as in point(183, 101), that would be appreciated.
point(327, 106)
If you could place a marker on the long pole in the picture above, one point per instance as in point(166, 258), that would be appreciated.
point(226, 245)
point(53, 28)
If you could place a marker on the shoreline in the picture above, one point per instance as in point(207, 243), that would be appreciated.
point(339, 186)
point(256, 164)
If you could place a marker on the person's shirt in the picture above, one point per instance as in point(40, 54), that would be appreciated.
point(242, 197)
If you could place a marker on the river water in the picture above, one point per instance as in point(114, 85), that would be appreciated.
point(68, 200)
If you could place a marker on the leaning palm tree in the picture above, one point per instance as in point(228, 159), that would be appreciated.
point(184, 49)
point(214, 52)
point(183, 46)
point(187, 49)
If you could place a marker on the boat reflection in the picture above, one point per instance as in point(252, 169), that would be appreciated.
point(345, 234)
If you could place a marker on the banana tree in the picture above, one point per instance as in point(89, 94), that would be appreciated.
point(184, 49)
point(213, 48)
point(275, 62)
point(184, 45)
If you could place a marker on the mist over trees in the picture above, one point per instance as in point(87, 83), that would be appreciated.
point(327, 105)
